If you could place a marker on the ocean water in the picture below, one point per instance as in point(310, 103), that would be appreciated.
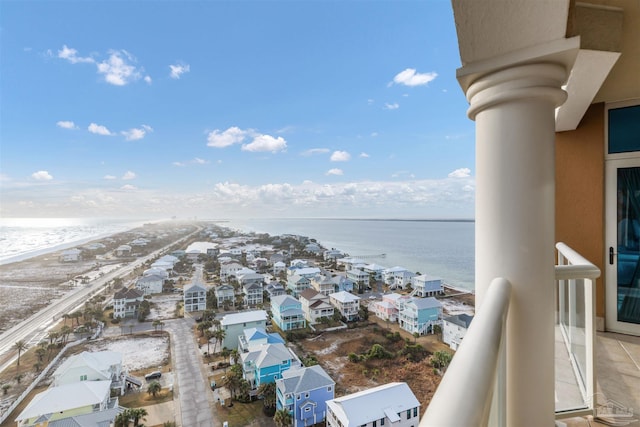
point(22, 238)
point(444, 249)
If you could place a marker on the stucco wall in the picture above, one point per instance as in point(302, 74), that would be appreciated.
point(580, 192)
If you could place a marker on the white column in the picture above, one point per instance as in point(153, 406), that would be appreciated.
point(515, 225)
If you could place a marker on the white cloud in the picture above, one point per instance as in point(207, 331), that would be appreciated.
point(266, 143)
point(340, 156)
point(199, 161)
point(313, 151)
point(147, 79)
point(128, 175)
point(41, 176)
point(410, 77)
point(178, 164)
point(363, 155)
point(135, 134)
point(109, 177)
point(71, 55)
point(374, 134)
point(118, 70)
point(460, 173)
point(370, 101)
point(233, 135)
point(335, 171)
point(66, 124)
point(99, 129)
point(178, 70)
point(393, 106)
point(128, 187)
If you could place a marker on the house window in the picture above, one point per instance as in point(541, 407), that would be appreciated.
point(408, 414)
point(375, 424)
point(415, 411)
point(83, 377)
point(306, 395)
point(307, 409)
point(381, 421)
point(299, 396)
point(329, 388)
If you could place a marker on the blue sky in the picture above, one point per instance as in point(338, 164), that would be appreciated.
point(219, 109)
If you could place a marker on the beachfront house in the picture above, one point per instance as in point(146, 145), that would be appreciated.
point(123, 251)
point(235, 324)
point(349, 263)
point(392, 405)
point(225, 295)
point(150, 284)
point(332, 254)
point(420, 315)
point(315, 306)
point(397, 277)
point(266, 363)
point(385, 310)
point(426, 286)
point(126, 303)
point(347, 304)
point(296, 284)
point(454, 329)
point(70, 255)
point(304, 393)
point(247, 278)
point(374, 271)
point(252, 294)
point(252, 338)
point(286, 313)
point(195, 297)
point(85, 403)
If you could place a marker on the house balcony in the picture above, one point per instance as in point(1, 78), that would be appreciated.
point(481, 360)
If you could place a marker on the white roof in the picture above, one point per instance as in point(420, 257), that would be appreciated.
point(100, 361)
point(373, 404)
point(344, 296)
point(66, 397)
point(244, 317)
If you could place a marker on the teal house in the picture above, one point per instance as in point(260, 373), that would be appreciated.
point(266, 363)
point(420, 315)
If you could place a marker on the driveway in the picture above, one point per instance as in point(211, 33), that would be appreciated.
point(192, 395)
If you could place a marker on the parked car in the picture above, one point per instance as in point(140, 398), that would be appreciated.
point(153, 375)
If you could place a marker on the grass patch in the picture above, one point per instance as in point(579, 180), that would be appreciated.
point(241, 414)
point(142, 398)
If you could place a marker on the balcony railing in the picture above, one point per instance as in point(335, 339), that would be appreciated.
point(575, 333)
point(465, 396)
point(473, 390)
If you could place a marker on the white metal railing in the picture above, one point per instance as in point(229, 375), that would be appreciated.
point(472, 391)
point(575, 319)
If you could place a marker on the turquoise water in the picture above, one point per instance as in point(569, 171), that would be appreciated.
point(445, 249)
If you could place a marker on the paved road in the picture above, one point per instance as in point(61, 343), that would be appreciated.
point(35, 327)
point(194, 399)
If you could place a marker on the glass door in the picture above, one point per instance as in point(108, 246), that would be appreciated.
point(623, 245)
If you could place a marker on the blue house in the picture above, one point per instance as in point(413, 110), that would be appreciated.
point(303, 392)
point(256, 337)
point(266, 363)
point(420, 315)
point(287, 313)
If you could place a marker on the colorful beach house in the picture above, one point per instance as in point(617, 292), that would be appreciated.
point(347, 304)
point(252, 338)
point(420, 315)
point(266, 363)
point(426, 286)
point(235, 324)
point(392, 405)
point(85, 403)
point(304, 393)
point(92, 366)
point(296, 284)
point(287, 314)
point(397, 277)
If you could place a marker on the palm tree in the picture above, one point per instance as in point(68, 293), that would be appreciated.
point(208, 334)
point(232, 383)
point(65, 331)
point(122, 419)
point(154, 388)
point(155, 325)
point(268, 393)
point(20, 346)
point(220, 335)
point(235, 355)
point(137, 415)
point(282, 418)
point(40, 352)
